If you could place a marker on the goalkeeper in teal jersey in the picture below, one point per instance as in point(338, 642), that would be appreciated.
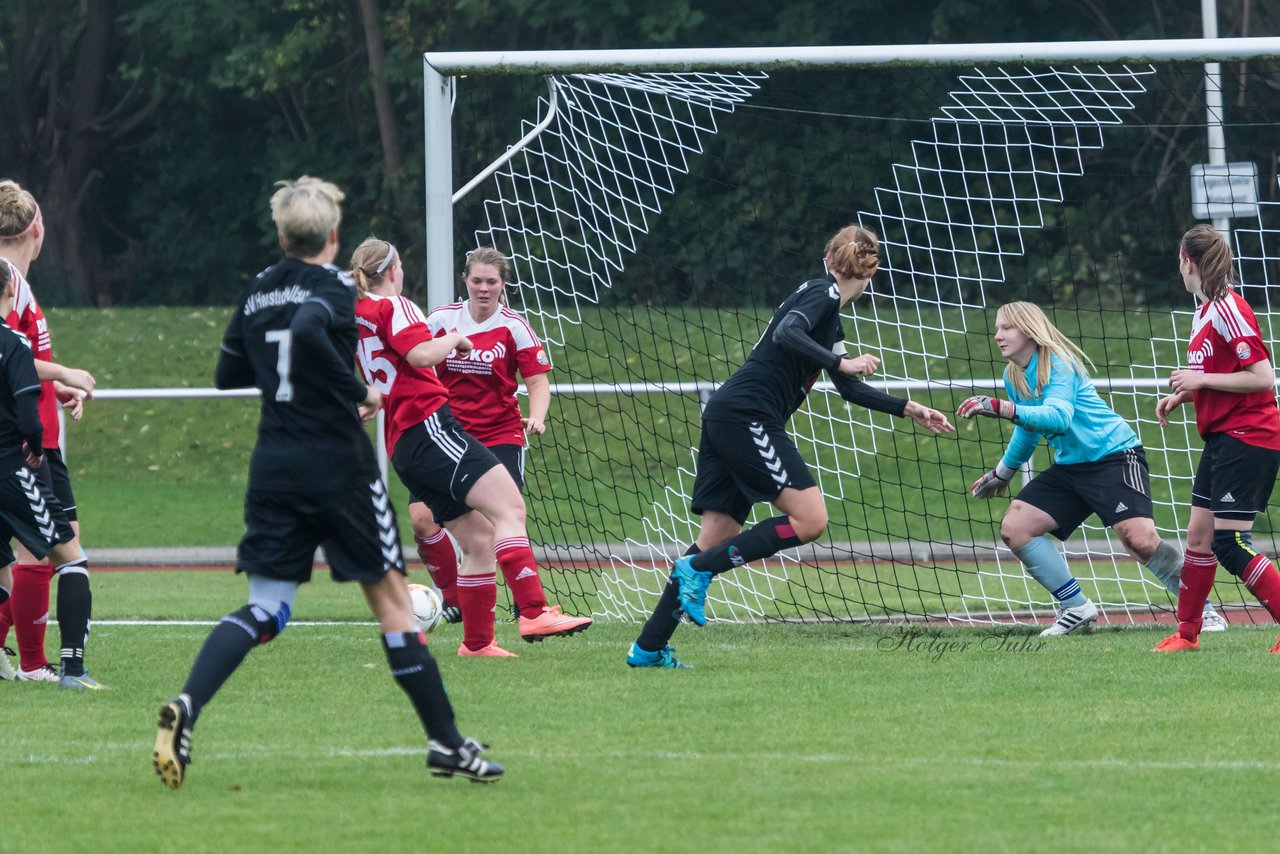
point(1099, 467)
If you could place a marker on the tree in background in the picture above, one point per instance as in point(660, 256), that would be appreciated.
point(145, 125)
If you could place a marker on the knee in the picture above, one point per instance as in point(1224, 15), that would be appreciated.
point(810, 527)
point(1234, 550)
point(1012, 534)
point(262, 621)
point(1141, 544)
point(269, 608)
point(424, 528)
point(424, 524)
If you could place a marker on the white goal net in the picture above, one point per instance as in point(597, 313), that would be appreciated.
point(660, 216)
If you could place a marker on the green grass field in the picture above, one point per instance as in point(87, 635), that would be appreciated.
point(797, 738)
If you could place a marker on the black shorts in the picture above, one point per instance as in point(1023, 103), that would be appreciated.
point(1234, 479)
point(31, 512)
point(741, 464)
point(55, 475)
point(1116, 487)
point(357, 530)
point(439, 462)
point(511, 457)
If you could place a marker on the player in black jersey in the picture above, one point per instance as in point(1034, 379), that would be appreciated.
point(28, 509)
point(746, 456)
point(313, 481)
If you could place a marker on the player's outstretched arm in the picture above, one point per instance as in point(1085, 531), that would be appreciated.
point(993, 483)
point(71, 377)
point(987, 407)
point(433, 352)
point(930, 419)
point(856, 391)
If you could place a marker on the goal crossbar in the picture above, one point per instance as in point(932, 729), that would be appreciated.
point(448, 63)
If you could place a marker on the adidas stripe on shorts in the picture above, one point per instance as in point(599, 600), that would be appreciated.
point(1115, 488)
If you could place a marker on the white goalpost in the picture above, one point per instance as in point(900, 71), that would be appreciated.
point(1056, 172)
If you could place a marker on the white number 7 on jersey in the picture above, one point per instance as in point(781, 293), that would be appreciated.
point(283, 339)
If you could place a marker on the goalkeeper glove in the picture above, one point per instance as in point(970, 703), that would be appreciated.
point(991, 407)
point(993, 483)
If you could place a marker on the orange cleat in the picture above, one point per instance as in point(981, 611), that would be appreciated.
point(551, 623)
point(490, 651)
point(1177, 643)
point(1276, 649)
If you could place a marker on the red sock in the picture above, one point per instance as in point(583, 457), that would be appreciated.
point(520, 570)
point(1198, 570)
point(1264, 582)
point(30, 607)
point(442, 562)
point(477, 597)
point(6, 621)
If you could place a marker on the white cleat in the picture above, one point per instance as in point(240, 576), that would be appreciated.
point(40, 674)
point(7, 673)
point(1212, 621)
point(1070, 619)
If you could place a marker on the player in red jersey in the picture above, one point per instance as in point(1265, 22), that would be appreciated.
point(441, 463)
point(482, 392)
point(1230, 381)
point(22, 233)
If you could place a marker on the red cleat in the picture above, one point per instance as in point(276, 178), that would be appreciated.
point(1276, 649)
point(551, 623)
point(490, 651)
point(1177, 643)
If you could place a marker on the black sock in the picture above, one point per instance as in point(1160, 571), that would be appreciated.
point(662, 625)
point(224, 649)
point(74, 607)
point(419, 676)
point(761, 540)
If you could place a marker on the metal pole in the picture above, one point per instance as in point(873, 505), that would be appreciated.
point(552, 100)
point(747, 59)
point(438, 107)
point(1213, 101)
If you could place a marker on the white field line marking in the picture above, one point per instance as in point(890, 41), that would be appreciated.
point(247, 752)
point(835, 644)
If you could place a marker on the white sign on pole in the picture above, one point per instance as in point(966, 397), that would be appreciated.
point(1221, 190)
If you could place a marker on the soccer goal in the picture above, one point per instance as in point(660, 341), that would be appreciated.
point(659, 204)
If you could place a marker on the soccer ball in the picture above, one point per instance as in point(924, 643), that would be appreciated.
point(428, 607)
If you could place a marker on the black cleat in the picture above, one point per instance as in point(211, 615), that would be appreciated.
point(451, 614)
point(463, 760)
point(172, 753)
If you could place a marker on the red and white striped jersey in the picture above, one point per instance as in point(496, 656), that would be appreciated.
point(1225, 338)
point(482, 383)
point(28, 319)
point(389, 328)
